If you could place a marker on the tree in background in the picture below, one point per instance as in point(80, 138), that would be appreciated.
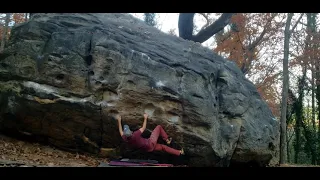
point(5, 32)
point(304, 122)
point(186, 27)
point(302, 117)
point(251, 42)
point(243, 40)
point(9, 20)
point(283, 124)
point(172, 32)
point(248, 39)
point(149, 18)
point(258, 44)
point(19, 17)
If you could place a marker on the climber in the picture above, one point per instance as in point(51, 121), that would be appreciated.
point(135, 139)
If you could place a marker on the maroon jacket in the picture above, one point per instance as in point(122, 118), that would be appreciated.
point(137, 141)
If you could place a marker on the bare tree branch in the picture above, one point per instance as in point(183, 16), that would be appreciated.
point(268, 72)
point(293, 133)
point(302, 23)
point(258, 40)
point(296, 23)
point(185, 26)
point(250, 48)
point(226, 36)
point(215, 27)
point(207, 19)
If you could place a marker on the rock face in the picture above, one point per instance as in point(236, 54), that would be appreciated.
point(63, 77)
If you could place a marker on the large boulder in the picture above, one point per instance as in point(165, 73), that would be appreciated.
point(63, 77)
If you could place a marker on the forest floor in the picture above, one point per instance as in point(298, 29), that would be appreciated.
point(14, 152)
point(298, 165)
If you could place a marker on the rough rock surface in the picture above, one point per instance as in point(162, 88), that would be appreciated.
point(63, 77)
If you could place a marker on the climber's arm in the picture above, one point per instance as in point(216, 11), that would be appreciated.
point(144, 125)
point(119, 125)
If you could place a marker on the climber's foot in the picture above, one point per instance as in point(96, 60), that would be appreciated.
point(169, 141)
point(182, 152)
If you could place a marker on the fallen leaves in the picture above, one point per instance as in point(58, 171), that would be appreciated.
point(41, 155)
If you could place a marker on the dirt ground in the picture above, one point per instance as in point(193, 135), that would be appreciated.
point(297, 165)
point(34, 154)
point(14, 152)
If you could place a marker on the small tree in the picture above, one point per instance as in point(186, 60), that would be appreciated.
point(149, 18)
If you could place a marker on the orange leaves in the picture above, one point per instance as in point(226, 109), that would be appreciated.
point(15, 18)
point(239, 19)
point(18, 17)
point(252, 44)
point(237, 41)
point(268, 93)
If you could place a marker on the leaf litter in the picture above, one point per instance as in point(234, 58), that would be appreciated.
point(35, 154)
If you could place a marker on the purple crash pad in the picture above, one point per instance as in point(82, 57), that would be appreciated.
point(119, 163)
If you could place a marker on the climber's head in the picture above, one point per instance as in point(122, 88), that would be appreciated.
point(126, 131)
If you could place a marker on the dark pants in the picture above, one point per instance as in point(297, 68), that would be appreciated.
point(153, 142)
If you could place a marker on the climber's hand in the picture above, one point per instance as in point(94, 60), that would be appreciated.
point(145, 115)
point(118, 117)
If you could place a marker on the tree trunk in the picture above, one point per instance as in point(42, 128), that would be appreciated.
point(310, 140)
point(149, 18)
point(313, 57)
point(308, 114)
point(315, 79)
point(283, 133)
point(288, 146)
point(310, 31)
point(310, 57)
point(4, 33)
point(318, 100)
point(185, 26)
point(313, 113)
point(298, 109)
point(300, 119)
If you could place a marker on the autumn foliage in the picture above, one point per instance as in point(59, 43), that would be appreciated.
point(250, 37)
point(232, 43)
point(15, 18)
point(18, 17)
